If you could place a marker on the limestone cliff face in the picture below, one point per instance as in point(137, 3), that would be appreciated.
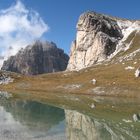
point(97, 36)
point(38, 58)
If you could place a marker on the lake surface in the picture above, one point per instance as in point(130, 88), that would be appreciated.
point(106, 119)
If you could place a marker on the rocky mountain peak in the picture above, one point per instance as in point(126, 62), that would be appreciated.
point(98, 38)
point(37, 58)
point(92, 21)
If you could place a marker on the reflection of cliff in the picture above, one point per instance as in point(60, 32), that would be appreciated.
point(33, 114)
point(82, 127)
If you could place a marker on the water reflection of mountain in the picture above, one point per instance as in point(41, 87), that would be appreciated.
point(33, 114)
point(82, 127)
point(33, 120)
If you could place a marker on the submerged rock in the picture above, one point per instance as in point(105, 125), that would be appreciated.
point(93, 105)
point(72, 86)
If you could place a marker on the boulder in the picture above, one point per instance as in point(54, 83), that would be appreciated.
point(137, 73)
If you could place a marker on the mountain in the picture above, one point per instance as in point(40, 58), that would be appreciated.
point(38, 58)
point(100, 37)
point(104, 61)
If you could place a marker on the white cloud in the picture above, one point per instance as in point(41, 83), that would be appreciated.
point(19, 26)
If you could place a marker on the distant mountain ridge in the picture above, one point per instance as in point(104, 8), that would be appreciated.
point(37, 58)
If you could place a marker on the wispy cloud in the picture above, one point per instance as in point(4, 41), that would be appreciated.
point(19, 26)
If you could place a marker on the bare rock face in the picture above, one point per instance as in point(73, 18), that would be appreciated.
point(38, 58)
point(96, 39)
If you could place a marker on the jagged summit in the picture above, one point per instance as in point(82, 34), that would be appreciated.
point(107, 16)
point(37, 58)
point(44, 44)
point(100, 37)
point(93, 21)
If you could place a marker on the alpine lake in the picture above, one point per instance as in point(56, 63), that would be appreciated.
point(68, 117)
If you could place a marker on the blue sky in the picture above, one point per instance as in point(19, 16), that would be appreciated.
point(62, 15)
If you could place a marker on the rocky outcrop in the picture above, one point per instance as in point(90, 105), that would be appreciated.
point(98, 38)
point(38, 58)
point(5, 78)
